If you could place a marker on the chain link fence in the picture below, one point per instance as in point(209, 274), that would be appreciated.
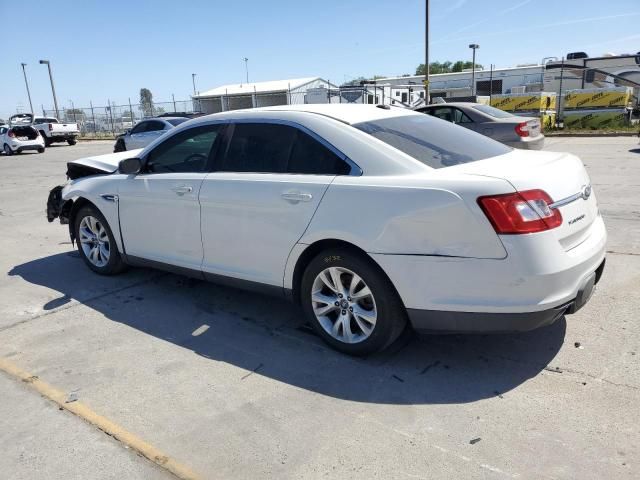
point(110, 120)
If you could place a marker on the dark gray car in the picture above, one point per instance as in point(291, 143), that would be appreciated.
point(512, 130)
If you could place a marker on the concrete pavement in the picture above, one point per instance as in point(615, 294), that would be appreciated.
point(233, 385)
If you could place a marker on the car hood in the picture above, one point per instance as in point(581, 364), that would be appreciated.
point(98, 165)
point(105, 163)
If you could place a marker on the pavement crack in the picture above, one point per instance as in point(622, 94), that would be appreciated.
point(613, 252)
point(81, 302)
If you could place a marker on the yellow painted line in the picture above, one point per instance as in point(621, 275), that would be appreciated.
point(81, 410)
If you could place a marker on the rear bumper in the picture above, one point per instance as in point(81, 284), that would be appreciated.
point(536, 143)
point(433, 321)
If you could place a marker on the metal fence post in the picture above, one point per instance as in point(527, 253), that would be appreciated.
point(131, 112)
point(93, 117)
point(73, 109)
point(174, 102)
point(289, 90)
point(491, 84)
point(560, 94)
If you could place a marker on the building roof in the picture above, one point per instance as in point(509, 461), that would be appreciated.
point(257, 87)
point(463, 73)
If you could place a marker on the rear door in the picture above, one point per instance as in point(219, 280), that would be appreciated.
point(268, 181)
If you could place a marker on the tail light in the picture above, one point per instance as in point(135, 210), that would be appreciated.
point(50, 126)
point(522, 129)
point(521, 212)
point(12, 134)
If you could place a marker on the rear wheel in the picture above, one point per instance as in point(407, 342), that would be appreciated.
point(351, 303)
point(47, 143)
point(72, 141)
point(41, 150)
point(7, 150)
point(96, 242)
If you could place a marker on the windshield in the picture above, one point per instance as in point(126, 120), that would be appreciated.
point(434, 142)
point(494, 112)
point(177, 121)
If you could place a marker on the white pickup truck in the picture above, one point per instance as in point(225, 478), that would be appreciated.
point(50, 128)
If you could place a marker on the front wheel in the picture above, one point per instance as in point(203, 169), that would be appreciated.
point(119, 146)
point(72, 141)
point(41, 150)
point(96, 242)
point(351, 303)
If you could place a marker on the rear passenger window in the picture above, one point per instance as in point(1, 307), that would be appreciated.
point(311, 157)
point(274, 148)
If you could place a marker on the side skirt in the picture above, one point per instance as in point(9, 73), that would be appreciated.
point(238, 283)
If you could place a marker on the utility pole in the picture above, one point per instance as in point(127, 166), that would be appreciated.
point(426, 53)
point(193, 79)
point(53, 89)
point(246, 67)
point(474, 46)
point(24, 72)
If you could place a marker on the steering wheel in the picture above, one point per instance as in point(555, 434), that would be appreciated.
point(196, 157)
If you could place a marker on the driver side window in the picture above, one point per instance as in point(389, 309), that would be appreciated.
point(187, 151)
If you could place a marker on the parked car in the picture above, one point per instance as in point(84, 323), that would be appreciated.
point(55, 132)
point(20, 138)
point(512, 130)
point(145, 132)
point(368, 217)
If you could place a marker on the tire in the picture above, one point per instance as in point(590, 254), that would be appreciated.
point(41, 150)
point(97, 229)
point(72, 141)
point(383, 316)
point(47, 142)
point(7, 150)
point(119, 146)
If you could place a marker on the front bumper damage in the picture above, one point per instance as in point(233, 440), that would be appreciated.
point(57, 207)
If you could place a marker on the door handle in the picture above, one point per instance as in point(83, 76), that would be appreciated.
point(295, 197)
point(182, 189)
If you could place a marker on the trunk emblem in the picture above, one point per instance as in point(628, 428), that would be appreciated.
point(586, 192)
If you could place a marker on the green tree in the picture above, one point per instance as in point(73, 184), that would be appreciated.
point(146, 102)
point(445, 67)
point(355, 82)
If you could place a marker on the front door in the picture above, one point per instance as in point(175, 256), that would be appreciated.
point(159, 207)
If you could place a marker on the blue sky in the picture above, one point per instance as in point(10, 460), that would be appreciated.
point(109, 49)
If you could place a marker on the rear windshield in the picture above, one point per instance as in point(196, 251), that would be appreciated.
point(434, 142)
point(45, 120)
point(177, 121)
point(494, 112)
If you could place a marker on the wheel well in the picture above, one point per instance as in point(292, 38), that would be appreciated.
point(75, 207)
point(313, 250)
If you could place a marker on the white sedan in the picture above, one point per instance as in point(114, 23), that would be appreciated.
point(371, 218)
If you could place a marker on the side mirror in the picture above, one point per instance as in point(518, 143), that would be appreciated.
point(130, 166)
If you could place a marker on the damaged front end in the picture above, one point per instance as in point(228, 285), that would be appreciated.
point(57, 206)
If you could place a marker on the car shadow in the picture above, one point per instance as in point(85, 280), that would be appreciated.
point(635, 150)
point(265, 336)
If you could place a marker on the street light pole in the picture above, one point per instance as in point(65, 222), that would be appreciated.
point(426, 54)
point(246, 67)
point(53, 89)
point(474, 46)
point(24, 72)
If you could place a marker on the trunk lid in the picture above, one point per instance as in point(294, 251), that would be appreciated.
point(561, 175)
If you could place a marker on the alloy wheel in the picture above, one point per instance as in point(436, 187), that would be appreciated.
point(344, 305)
point(94, 241)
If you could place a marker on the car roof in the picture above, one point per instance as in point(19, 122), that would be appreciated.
point(345, 113)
